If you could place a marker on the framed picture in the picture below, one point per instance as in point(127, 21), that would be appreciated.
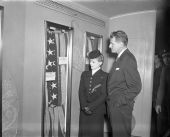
point(93, 42)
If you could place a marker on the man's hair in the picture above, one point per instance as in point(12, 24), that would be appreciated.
point(120, 36)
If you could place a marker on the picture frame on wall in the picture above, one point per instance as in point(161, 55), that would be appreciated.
point(93, 42)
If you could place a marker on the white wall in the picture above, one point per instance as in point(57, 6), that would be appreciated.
point(140, 28)
point(13, 40)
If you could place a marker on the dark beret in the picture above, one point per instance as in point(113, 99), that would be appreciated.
point(94, 54)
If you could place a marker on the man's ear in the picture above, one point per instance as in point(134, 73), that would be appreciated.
point(122, 44)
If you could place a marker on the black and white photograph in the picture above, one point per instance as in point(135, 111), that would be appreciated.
point(85, 68)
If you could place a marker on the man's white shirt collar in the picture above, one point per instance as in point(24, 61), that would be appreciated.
point(120, 53)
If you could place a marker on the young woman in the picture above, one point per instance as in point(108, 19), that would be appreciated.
point(92, 95)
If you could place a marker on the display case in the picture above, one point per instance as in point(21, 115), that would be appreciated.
point(56, 100)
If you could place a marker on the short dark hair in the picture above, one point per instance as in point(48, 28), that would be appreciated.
point(120, 36)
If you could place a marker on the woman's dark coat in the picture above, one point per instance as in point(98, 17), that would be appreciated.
point(92, 94)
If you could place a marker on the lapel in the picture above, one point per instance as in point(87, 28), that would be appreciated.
point(114, 66)
point(117, 62)
point(89, 73)
point(97, 73)
point(123, 54)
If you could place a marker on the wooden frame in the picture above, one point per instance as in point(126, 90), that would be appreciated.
point(92, 42)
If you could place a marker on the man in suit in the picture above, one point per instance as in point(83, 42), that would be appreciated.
point(124, 84)
point(163, 96)
point(155, 121)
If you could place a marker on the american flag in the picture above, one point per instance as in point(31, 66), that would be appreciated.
point(53, 86)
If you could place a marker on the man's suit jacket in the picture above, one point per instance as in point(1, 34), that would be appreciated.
point(163, 95)
point(124, 82)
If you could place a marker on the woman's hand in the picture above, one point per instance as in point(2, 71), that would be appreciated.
point(87, 110)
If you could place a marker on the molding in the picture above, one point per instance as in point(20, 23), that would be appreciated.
point(133, 13)
point(71, 11)
point(81, 8)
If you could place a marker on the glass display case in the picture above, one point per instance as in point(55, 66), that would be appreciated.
point(56, 100)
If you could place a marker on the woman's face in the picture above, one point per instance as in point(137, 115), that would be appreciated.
point(95, 64)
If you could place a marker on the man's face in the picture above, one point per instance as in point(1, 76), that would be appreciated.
point(156, 60)
point(115, 46)
point(166, 60)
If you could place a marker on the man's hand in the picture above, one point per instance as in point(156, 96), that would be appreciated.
point(158, 109)
point(122, 101)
